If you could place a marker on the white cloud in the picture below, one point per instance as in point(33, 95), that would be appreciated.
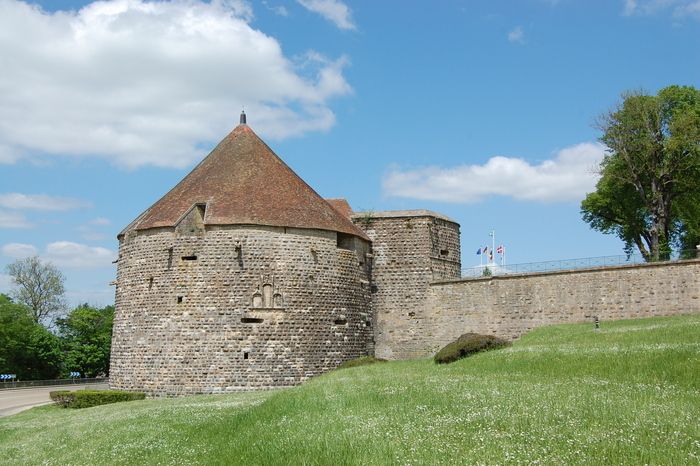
point(149, 83)
point(568, 176)
point(679, 9)
point(334, 11)
point(688, 9)
point(517, 35)
point(40, 202)
point(63, 254)
point(74, 255)
point(13, 220)
point(630, 7)
point(90, 230)
point(19, 250)
point(279, 10)
point(100, 221)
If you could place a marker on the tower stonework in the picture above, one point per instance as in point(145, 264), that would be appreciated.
point(241, 277)
point(410, 250)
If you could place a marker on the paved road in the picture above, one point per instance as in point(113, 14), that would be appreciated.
point(15, 400)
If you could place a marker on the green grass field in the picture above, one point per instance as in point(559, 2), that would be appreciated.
point(628, 394)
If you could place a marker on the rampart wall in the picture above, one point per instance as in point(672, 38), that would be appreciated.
point(511, 305)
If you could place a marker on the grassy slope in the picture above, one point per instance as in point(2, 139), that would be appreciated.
point(561, 395)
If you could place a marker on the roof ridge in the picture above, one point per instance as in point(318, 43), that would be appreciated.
point(244, 182)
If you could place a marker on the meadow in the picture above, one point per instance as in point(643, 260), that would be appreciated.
point(626, 394)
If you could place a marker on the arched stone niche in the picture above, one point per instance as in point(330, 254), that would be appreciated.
point(267, 295)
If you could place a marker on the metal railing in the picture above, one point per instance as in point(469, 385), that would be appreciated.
point(565, 264)
point(51, 383)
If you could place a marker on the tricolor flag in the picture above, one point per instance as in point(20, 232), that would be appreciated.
point(485, 250)
point(500, 249)
point(478, 251)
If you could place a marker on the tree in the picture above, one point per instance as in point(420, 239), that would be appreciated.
point(39, 287)
point(648, 192)
point(87, 339)
point(26, 347)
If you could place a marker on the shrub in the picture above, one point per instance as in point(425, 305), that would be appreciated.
point(89, 398)
point(62, 397)
point(363, 361)
point(468, 344)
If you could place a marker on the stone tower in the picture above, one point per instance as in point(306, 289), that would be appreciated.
point(411, 249)
point(240, 277)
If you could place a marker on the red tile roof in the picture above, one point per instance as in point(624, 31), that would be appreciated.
point(243, 182)
point(342, 206)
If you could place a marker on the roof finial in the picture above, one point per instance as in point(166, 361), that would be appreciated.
point(243, 117)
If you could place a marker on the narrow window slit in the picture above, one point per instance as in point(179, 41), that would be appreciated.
point(251, 320)
point(189, 258)
point(179, 299)
point(340, 321)
point(245, 355)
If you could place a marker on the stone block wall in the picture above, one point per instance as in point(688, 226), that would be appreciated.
point(236, 307)
point(511, 305)
point(410, 250)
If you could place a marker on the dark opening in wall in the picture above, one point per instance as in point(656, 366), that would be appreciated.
point(179, 299)
point(411, 314)
point(189, 258)
point(444, 252)
point(368, 323)
point(251, 320)
point(245, 355)
point(346, 241)
point(170, 258)
point(340, 321)
point(150, 283)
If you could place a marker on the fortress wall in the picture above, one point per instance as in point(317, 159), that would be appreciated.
point(178, 326)
point(410, 250)
point(509, 306)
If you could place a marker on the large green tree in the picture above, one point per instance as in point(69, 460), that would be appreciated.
point(649, 190)
point(27, 349)
point(87, 339)
point(39, 286)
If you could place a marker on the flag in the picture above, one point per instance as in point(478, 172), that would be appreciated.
point(500, 249)
point(491, 255)
point(485, 250)
point(478, 251)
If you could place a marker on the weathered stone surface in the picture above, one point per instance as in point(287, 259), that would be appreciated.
point(411, 249)
point(186, 322)
point(509, 306)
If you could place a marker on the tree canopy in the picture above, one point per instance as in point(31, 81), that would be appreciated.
point(648, 193)
point(27, 349)
point(39, 287)
point(87, 339)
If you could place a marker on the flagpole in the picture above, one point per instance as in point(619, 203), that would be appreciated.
point(493, 243)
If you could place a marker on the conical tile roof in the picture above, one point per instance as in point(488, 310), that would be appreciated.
point(243, 182)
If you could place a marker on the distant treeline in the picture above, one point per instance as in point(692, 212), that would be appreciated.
point(78, 342)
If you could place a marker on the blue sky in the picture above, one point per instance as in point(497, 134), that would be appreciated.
point(481, 110)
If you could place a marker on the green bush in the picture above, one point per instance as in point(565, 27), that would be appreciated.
point(62, 397)
point(363, 361)
point(468, 344)
point(89, 398)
